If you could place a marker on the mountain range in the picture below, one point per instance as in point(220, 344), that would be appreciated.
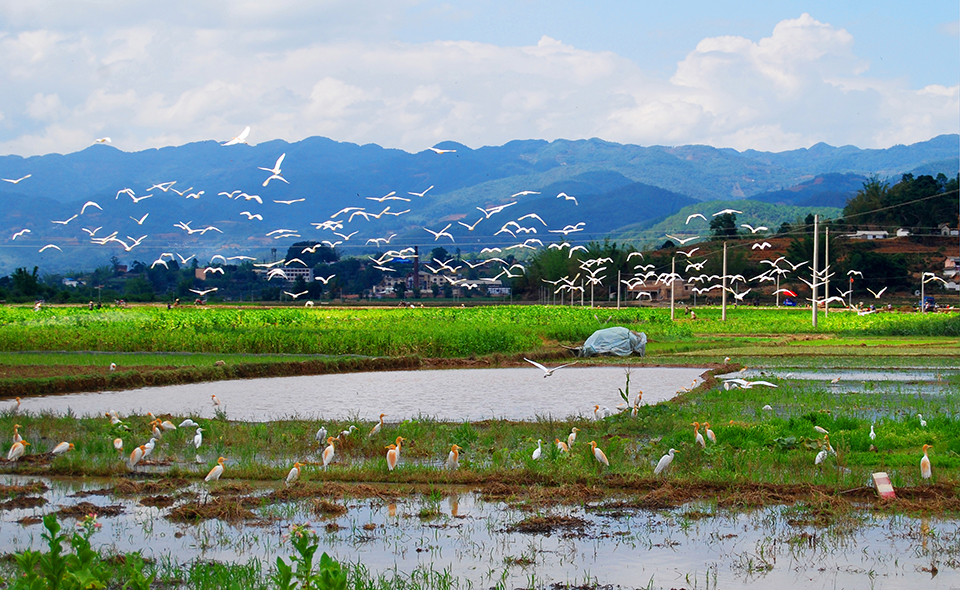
point(615, 191)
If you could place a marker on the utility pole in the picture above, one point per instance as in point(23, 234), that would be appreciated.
point(723, 295)
point(826, 271)
point(673, 280)
point(813, 300)
point(618, 290)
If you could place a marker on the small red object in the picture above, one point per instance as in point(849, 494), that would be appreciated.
point(882, 482)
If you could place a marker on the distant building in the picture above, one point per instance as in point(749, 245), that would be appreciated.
point(951, 272)
point(290, 273)
point(946, 230)
point(869, 234)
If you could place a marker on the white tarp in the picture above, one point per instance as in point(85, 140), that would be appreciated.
point(617, 341)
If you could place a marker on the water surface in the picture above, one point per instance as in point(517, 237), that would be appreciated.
point(462, 394)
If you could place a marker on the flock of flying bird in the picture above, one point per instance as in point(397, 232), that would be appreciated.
point(519, 228)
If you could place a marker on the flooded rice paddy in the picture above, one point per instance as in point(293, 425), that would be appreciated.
point(485, 541)
point(448, 395)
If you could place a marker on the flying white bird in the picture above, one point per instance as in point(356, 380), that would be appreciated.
point(700, 215)
point(202, 293)
point(89, 204)
point(65, 222)
point(20, 233)
point(252, 215)
point(762, 246)
point(141, 220)
point(420, 194)
point(247, 197)
point(439, 151)
point(103, 140)
point(547, 372)
point(752, 229)
point(295, 295)
point(17, 181)
point(471, 227)
point(290, 202)
point(324, 280)
point(567, 197)
point(50, 246)
point(682, 241)
point(726, 211)
point(240, 138)
point(442, 232)
point(524, 193)
point(493, 210)
point(877, 294)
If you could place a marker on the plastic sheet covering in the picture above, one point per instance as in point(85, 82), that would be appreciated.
point(617, 341)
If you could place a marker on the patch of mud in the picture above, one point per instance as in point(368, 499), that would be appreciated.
point(32, 488)
point(82, 509)
point(545, 525)
point(223, 508)
point(89, 493)
point(498, 491)
point(232, 489)
point(22, 502)
point(29, 521)
point(328, 509)
point(158, 501)
point(133, 488)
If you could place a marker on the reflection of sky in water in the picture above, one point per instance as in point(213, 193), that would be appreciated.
point(628, 548)
point(463, 394)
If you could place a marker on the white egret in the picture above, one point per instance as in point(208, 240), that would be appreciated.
point(664, 462)
point(547, 372)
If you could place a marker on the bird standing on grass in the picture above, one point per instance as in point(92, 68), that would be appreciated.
point(392, 456)
point(711, 436)
point(216, 472)
point(294, 474)
point(923, 423)
point(135, 456)
point(62, 448)
point(538, 451)
point(664, 462)
point(328, 452)
point(118, 444)
point(697, 437)
point(598, 454)
point(17, 450)
point(562, 446)
point(376, 429)
point(453, 459)
point(16, 433)
point(925, 470)
point(873, 435)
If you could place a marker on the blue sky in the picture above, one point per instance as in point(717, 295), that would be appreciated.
point(409, 74)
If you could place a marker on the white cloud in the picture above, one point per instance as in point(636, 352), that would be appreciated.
point(143, 84)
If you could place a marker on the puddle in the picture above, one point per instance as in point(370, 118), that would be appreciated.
point(449, 395)
point(901, 381)
point(486, 542)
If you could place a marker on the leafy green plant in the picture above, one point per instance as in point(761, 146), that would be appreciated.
point(329, 575)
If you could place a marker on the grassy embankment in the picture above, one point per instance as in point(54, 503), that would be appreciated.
point(69, 349)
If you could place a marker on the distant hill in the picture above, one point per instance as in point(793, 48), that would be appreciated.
point(619, 188)
point(825, 190)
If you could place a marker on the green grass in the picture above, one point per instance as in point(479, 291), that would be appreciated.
point(754, 445)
